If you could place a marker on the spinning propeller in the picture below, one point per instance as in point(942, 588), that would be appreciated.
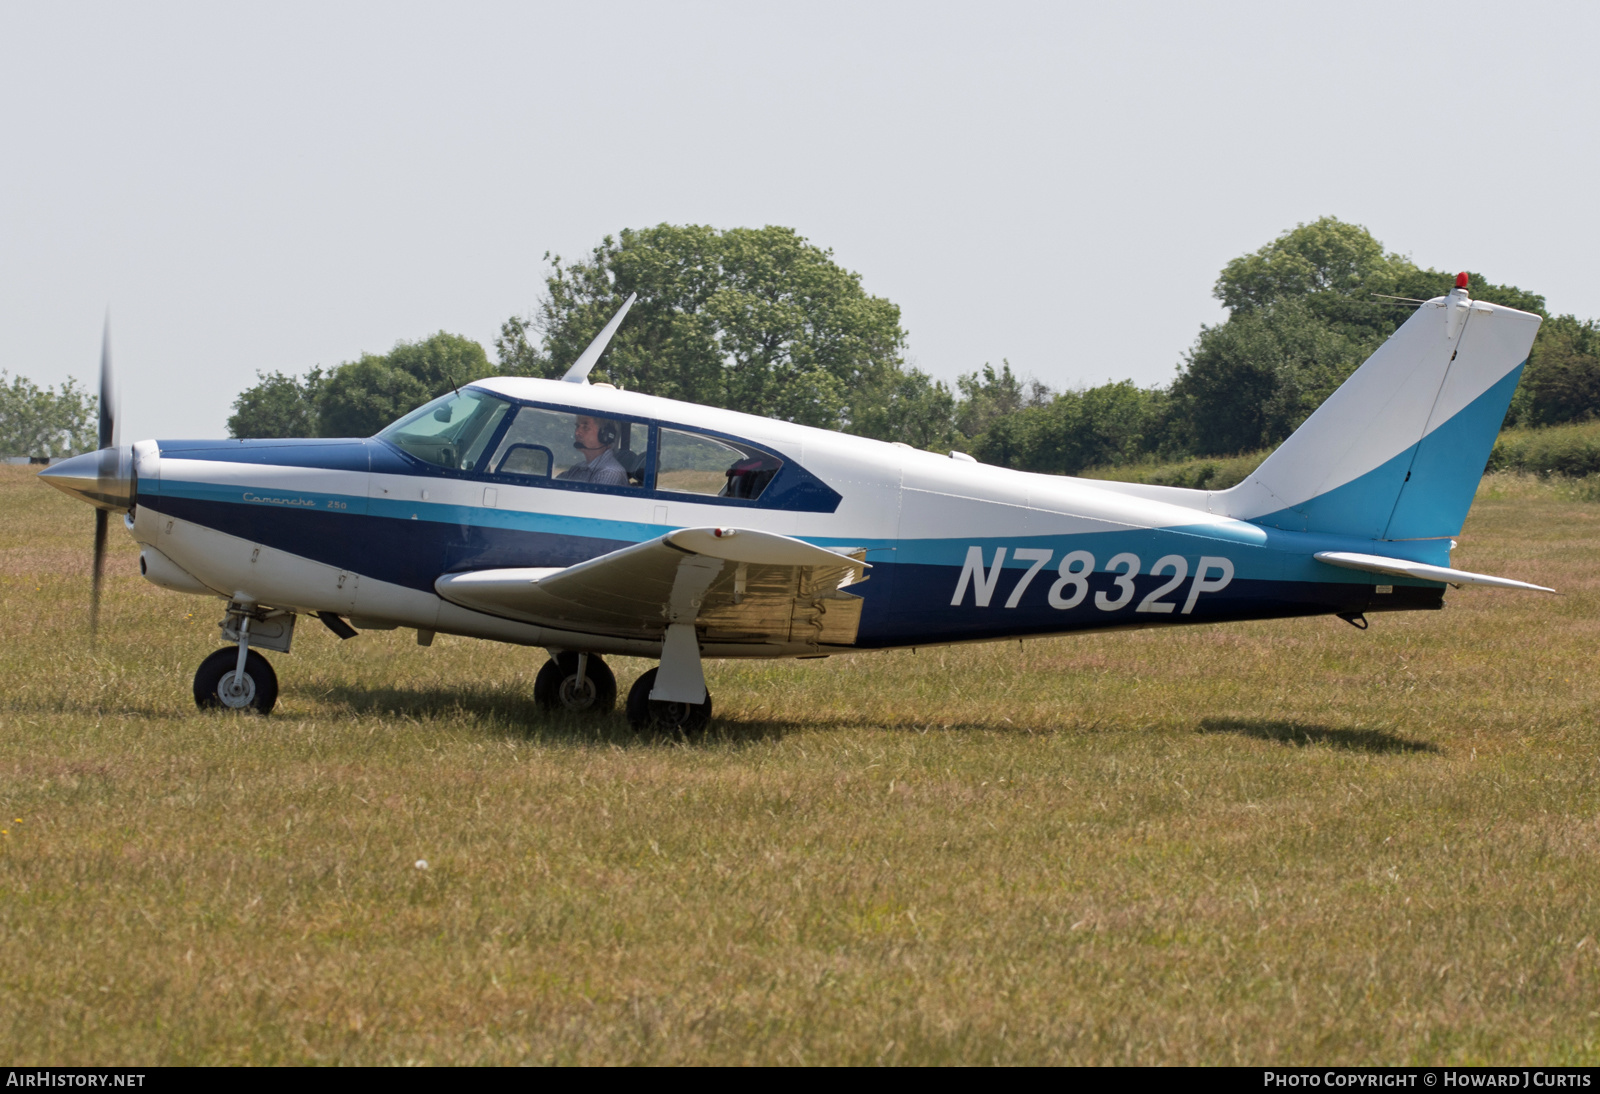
point(106, 454)
point(103, 478)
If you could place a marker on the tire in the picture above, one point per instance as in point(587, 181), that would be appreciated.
point(211, 680)
point(647, 715)
point(555, 688)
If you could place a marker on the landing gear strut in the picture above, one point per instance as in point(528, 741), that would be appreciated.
point(576, 683)
point(219, 682)
point(237, 677)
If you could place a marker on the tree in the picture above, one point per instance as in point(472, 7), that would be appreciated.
point(910, 407)
point(278, 406)
point(1251, 381)
point(1304, 312)
point(46, 422)
point(1562, 381)
point(987, 396)
point(758, 320)
point(360, 397)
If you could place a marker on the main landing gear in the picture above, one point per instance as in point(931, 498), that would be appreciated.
point(647, 715)
point(670, 700)
point(575, 683)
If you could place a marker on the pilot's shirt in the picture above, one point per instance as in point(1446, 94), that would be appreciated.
point(603, 470)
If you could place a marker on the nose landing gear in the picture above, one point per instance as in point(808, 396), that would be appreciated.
point(220, 683)
point(237, 677)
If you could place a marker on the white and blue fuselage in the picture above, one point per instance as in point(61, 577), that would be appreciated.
point(478, 534)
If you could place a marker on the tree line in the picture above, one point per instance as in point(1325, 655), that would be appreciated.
point(46, 421)
point(764, 321)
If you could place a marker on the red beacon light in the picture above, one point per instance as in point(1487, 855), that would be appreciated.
point(1462, 279)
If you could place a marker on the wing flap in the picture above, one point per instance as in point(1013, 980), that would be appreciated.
point(1399, 567)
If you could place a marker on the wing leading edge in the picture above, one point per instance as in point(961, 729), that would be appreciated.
point(733, 584)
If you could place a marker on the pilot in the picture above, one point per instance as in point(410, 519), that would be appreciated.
point(595, 438)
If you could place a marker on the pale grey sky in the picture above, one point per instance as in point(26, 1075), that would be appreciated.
point(283, 185)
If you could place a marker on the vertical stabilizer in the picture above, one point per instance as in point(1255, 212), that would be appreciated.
point(1397, 451)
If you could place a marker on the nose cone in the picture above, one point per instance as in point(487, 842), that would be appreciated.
point(104, 479)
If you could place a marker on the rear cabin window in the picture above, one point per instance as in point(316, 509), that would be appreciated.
point(691, 463)
point(565, 446)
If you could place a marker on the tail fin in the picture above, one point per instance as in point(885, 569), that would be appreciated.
point(1397, 451)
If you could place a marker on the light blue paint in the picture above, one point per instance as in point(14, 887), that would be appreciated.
point(1360, 508)
point(1449, 465)
point(1444, 466)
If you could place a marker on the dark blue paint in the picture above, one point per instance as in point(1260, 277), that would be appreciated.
point(411, 553)
point(331, 454)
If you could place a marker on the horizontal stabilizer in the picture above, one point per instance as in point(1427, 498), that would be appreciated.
point(1399, 567)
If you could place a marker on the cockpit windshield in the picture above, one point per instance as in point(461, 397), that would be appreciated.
point(451, 431)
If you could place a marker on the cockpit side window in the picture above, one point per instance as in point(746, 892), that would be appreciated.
point(570, 446)
point(451, 431)
point(692, 463)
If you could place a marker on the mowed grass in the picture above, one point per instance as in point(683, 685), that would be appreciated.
point(1285, 842)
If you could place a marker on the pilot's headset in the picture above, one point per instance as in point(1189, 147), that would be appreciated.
point(606, 434)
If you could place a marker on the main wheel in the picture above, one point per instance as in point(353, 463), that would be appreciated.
point(647, 715)
point(216, 686)
point(557, 688)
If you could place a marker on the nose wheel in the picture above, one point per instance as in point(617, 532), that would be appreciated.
point(219, 683)
point(575, 683)
point(647, 715)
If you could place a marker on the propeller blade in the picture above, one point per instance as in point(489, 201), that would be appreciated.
point(108, 392)
point(101, 518)
point(579, 372)
point(107, 453)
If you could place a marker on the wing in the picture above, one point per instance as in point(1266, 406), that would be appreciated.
point(733, 584)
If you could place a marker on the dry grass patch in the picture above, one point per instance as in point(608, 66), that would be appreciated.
point(1285, 842)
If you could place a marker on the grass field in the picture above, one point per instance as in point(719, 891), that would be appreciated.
point(1287, 842)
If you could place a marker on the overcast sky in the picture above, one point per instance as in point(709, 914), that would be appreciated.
point(279, 186)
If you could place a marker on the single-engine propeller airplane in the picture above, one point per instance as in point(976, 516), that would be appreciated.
point(589, 520)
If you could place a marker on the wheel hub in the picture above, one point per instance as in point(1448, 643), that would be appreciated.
point(576, 695)
point(236, 691)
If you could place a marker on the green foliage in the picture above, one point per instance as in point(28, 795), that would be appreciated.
point(278, 406)
point(44, 421)
point(1251, 381)
point(360, 397)
point(1326, 256)
point(1571, 450)
point(1305, 311)
point(1562, 381)
point(761, 320)
point(757, 320)
point(1109, 424)
point(910, 407)
point(988, 396)
point(1197, 473)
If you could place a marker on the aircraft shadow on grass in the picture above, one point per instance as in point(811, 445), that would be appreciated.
point(1301, 735)
point(511, 713)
